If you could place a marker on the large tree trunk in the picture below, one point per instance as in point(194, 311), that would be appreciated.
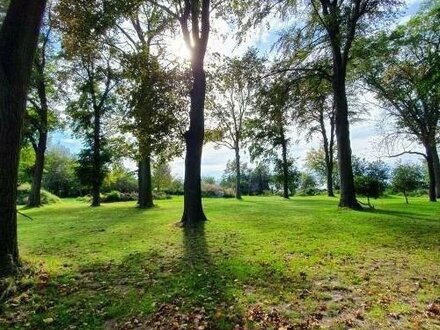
point(237, 173)
point(193, 209)
point(145, 199)
point(431, 173)
point(285, 169)
point(348, 195)
point(436, 163)
point(35, 195)
point(18, 41)
point(97, 166)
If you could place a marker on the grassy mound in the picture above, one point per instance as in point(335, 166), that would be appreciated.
point(24, 190)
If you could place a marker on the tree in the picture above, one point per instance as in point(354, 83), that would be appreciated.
point(93, 74)
point(18, 41)
point(162, 177)
point(406, 179)
point(404, 75)
point(316, 163)
point(269, 128)
point(307, 184)
point(342, 22)
point(370, 178)
point(39, 116)
point(335, 25)
point(235, 86)
point(229, 179)
point(154, 95)
point(317, 114)
point(59, 173)
point(194, 19)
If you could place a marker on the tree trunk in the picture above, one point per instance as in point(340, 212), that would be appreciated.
point(436, 163)
point(97, 166)
point(328, 149)
point(431, 173)
point(406, 197)
point(237, 174)
point(285, 169)
point(348, 195)
point(18, 41)
point(193, 209)
point(145, 199)
point(35, 195)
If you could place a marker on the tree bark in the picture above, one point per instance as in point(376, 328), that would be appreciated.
point(237, 173)
point(145, 199)
point(18, 42)
point(431, 173)
point(348, 194)
point(193, 209)
point(436, 163)
point(285, 168)
point(96, 182)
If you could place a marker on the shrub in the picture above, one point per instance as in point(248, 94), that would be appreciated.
point(116, 196)
point(24, 190)
point(159, 195)
point(212, 190)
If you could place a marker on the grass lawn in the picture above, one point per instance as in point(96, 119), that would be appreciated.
point(260, 263)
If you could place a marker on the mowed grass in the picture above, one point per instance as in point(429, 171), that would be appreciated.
point(260, 263)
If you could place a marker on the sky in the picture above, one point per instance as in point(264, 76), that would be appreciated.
point(365, 135)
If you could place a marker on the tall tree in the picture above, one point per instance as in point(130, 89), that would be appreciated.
point(333, 24)
point(235, 87)
point(93, 74)
point(154, 94)
point(269, 129)
point(194, 19)
point(18, 41)
point(342, 22)
point(316, 114)
point(39, 116)
point(403, 72)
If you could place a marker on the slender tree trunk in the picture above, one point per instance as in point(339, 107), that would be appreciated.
point(406, 197)
point(35, 195)
point(193, 209)
point(431, 173)
point(436, 163)
point(97, 166)
point(285, 169)
point(348, 195)
point(328, 149)
point(18, 41)
point(237, 173)
point(145, 199)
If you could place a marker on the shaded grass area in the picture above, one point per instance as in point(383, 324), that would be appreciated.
point(260, 263)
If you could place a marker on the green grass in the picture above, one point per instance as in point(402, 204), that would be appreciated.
point(260, 263)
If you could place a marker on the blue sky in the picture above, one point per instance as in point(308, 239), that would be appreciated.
point(364, 135)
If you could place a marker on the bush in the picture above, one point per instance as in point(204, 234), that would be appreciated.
point(212, 190)
point(85, 199)
point(116, 196)
point(24, 190)
point(159, 195)
point(308, 192)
